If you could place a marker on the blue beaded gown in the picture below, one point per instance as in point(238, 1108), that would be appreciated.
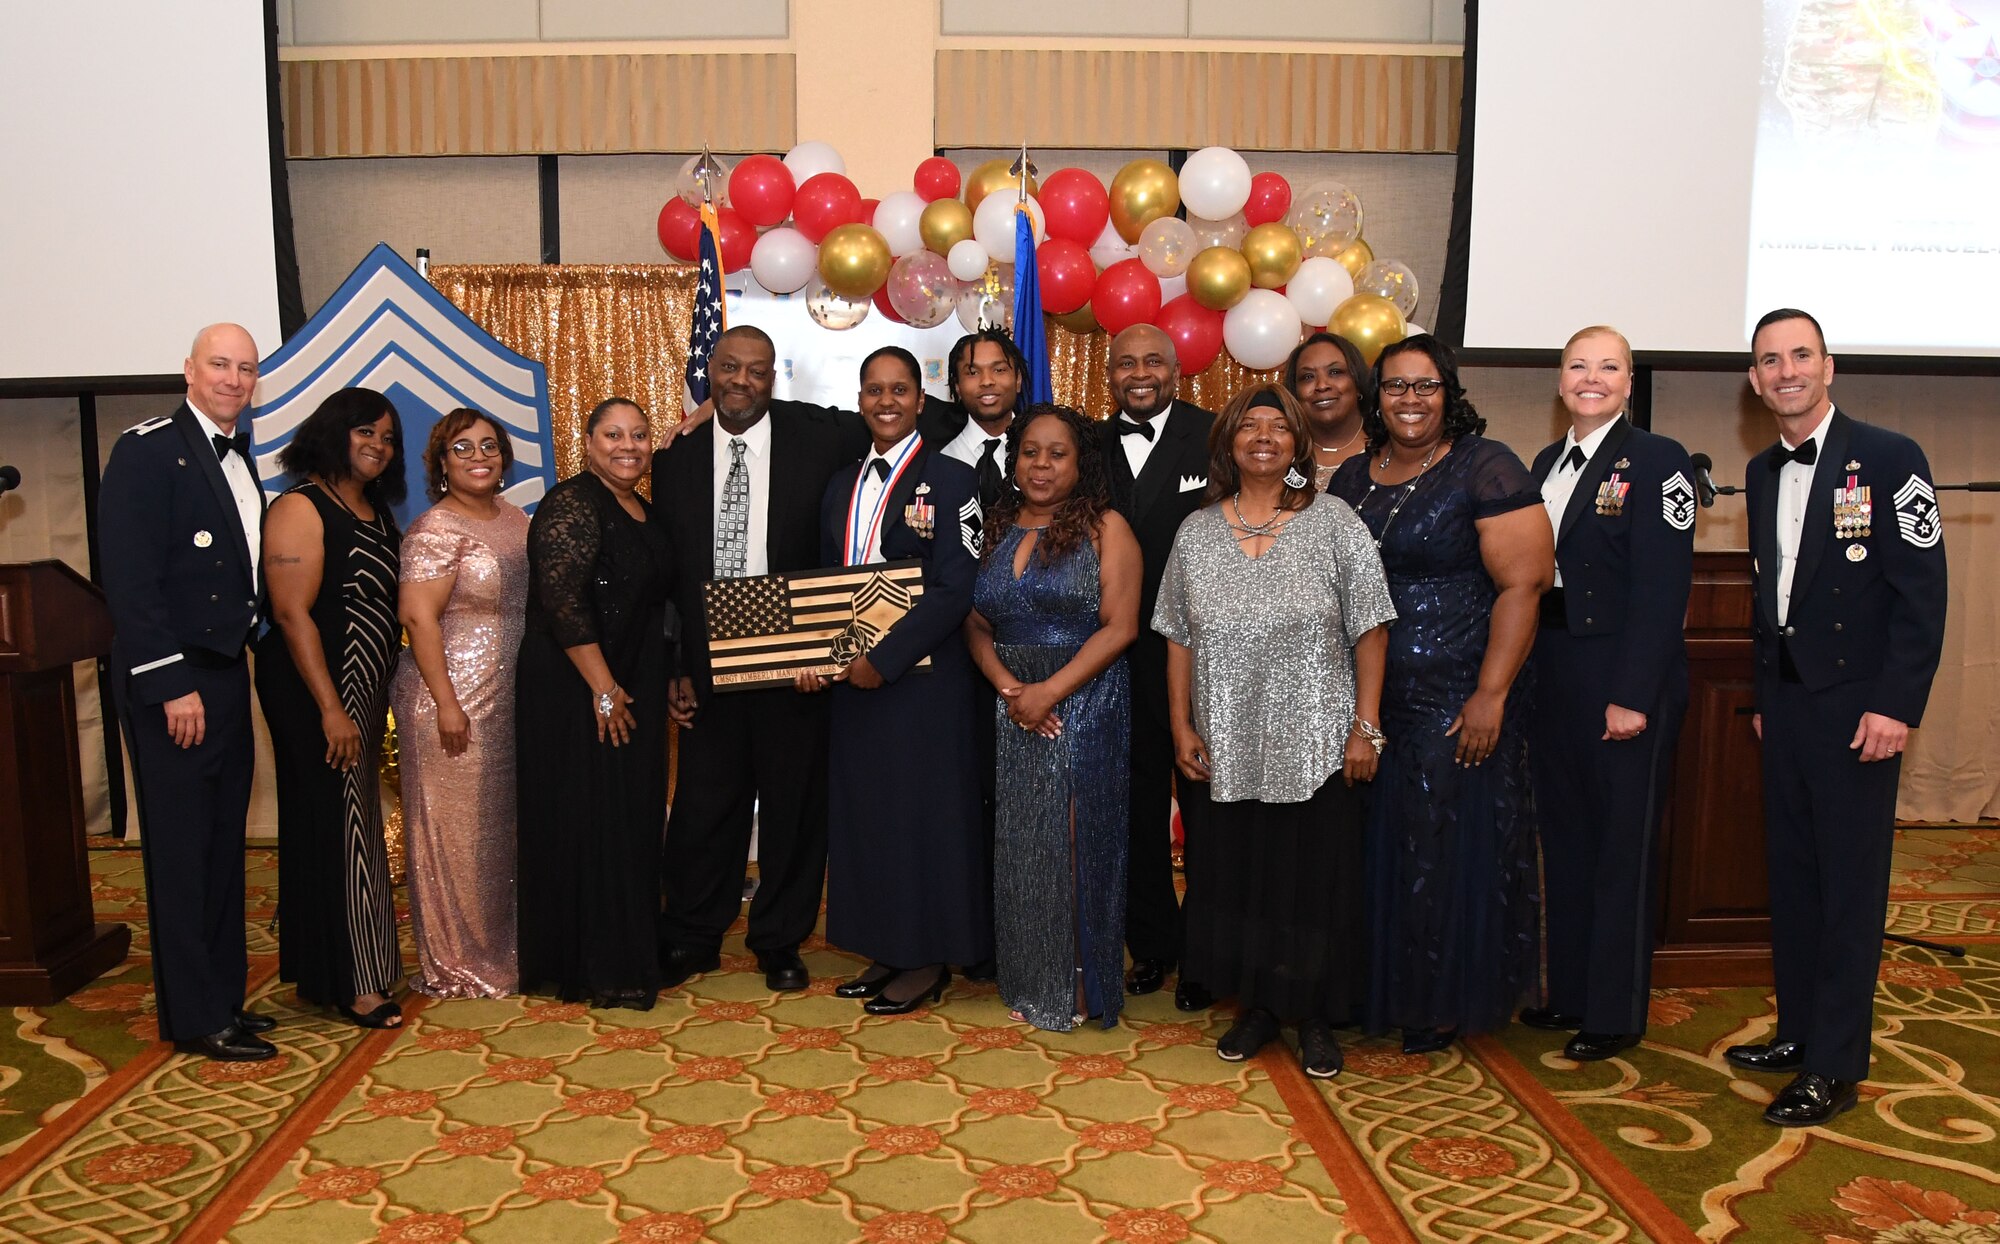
point(1058, 895)
point(1452, 877)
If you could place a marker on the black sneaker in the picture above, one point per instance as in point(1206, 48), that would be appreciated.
point(1248, 1035)
point(1319, 1053)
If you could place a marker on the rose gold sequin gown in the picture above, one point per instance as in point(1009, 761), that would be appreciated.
point(458, 811)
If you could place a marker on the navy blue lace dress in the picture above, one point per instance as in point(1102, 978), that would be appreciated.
point(1059, 838)
point(1453, 896)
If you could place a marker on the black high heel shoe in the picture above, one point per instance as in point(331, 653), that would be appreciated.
point(868, 984)
point(879, 1005)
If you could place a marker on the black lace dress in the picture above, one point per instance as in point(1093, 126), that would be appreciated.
point(591, 815)
point(1453, 896)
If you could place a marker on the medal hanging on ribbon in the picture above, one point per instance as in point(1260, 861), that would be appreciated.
point(861, 536)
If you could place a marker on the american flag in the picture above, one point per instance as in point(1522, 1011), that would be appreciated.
point(762, 630)
point(710, 316)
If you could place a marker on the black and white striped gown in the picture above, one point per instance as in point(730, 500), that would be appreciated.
point(337, 936)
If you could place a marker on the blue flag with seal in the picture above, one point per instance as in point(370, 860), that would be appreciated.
point(387, 329)
point(1030, 336)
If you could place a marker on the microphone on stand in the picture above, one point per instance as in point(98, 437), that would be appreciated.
point(1704, 483)
point(10, 477)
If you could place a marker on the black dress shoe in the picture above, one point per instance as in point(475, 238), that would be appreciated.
point(868, 984)
point(231, 1045)
point(1146, 976)
point(1189, 996)
point(1249, 1034)
point(1769, 1056)
point(1810, 1100)
point(1428, 1040)
point(880, 1005)
point(679, 963)
point(1550, 1018)
point(1595, 1047)
point(250, 1021)
point(784, 971)
point(984, 970)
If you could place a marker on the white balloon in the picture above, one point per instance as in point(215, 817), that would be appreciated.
point(1167, 246)
point(897, 218)
point(1261, 330)
point(1109, 248)
point(968, 258)
point(993, 224)
point(1215, 182)
point(783, 261)
point(811, 159)
point(1319, 286)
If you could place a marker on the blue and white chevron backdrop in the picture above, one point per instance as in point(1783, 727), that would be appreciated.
point(387, 329)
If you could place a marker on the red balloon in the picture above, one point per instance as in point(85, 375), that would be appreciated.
point(680, 230)
point(937, 178)
point(1270, 199)
point(1126, 294)
point(824, 203)
point(1196, 330)
point(1075, 205)
point(868, 207)
point(739, 237)
point(761, 187)
point(881, 299)
point(1066, 274)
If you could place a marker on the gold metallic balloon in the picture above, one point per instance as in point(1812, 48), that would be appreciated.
point(1218, 278)
point(1369, 321)
point(1357, 256)
point(1274, 254)
point(1143, 191)
point(991, 176)
point(944, 224)
point(854, 260)
point(1083, 320)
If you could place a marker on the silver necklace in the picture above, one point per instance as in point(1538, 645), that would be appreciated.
point(1250, 530)
point(1341, 448)
point(1409, 486)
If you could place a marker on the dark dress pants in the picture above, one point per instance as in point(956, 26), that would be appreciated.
point(192, 804)
point(1598, 804)
point(1829, 827)
point(766, 748)
point(1153, 928)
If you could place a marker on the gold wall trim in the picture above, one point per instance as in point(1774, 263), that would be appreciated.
point(1255, 101)
point(539, 105)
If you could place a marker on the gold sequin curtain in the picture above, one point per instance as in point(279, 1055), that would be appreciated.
point(622, 329)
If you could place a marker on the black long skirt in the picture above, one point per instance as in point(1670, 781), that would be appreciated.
point(1273, 907)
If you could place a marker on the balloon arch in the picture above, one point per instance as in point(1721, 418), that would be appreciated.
point(1253, 267)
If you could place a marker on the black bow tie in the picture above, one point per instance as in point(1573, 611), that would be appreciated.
point(880, 466)
point(1573, 460)
point(1804, 455)
point(1132, 427)
point(223, 444)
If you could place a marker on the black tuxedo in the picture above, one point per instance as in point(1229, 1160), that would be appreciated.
point(184, 593)
point(1168, 489)
point(762, 749)
point(1863, 633)
point(1611, 634)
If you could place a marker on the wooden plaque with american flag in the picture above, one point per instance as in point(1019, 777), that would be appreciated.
point(765, 629)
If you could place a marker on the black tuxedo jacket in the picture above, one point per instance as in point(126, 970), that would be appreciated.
point(949, 552)
point(177, 568)
point(804, 455)
point(1169, 489)
point(1876, 615)
point(1627, 573)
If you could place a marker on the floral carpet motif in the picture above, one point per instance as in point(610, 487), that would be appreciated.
point(728, 1113)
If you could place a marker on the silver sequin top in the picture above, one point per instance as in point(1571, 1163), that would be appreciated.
point(1273, 641)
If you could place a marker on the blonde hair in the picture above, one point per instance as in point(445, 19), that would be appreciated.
point(1600, 330)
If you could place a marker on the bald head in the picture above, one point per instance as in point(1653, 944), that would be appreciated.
point(1143, 371)
point(221, 371)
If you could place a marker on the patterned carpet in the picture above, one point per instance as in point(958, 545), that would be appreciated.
point(730, 1114)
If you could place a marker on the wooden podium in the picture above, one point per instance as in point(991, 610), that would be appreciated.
point(1714, 918)
point(50, 943)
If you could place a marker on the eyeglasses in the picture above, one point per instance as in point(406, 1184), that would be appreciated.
point(487, 448)
point(1399, 386)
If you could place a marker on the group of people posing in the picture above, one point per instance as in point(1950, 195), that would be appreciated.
point(1416, 701)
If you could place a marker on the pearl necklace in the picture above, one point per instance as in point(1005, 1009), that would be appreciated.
point(1409, 487)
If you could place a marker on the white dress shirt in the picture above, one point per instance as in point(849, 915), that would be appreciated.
point(1139, 448)
point(242, 486)
point(1561, 483)
point(1794, 492)
point(969, 446)
point(757, 461)
point(872, 487)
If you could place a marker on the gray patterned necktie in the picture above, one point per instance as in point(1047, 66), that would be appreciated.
point(732, 527)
